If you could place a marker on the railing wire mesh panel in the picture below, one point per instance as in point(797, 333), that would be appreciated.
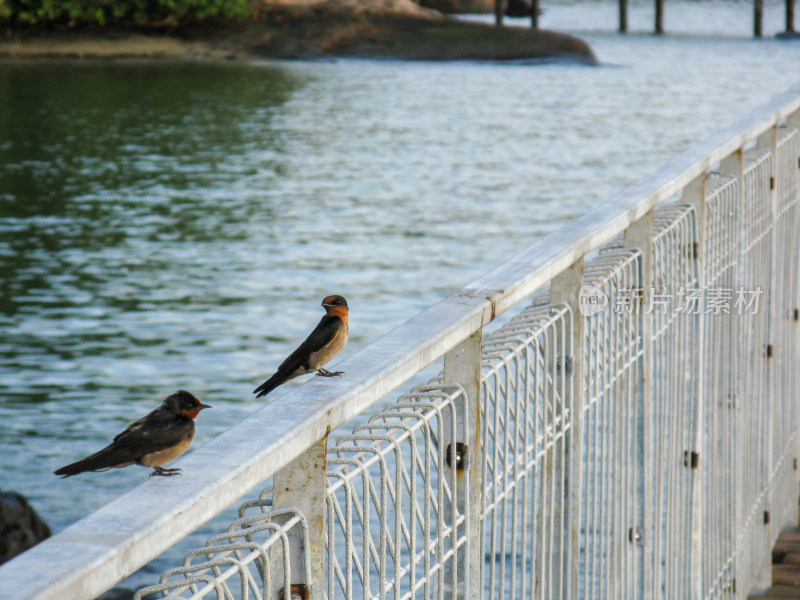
point(392, 526)
point(753, 401)
point(718, 454)
point(676, 357)
point(613, 352)
point(237, 563)
point(527, 413)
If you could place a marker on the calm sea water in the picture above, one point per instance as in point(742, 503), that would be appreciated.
point(175, 225)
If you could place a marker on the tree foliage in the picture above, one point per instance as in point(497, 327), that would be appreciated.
point(26, 13)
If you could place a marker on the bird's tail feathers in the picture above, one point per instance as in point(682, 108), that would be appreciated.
point(99, 461)
point(269, 385)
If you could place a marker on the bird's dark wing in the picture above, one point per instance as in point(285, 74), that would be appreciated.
point(158, 430)
point(323, 333)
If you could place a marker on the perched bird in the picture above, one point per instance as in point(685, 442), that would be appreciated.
point(328, 337)
point(152, 441)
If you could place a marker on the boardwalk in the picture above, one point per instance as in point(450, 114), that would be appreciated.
point(785, 567)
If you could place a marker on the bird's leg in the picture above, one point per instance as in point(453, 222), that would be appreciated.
point(326, 373)
point(162, 472)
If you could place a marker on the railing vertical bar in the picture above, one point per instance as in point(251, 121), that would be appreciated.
point(564, 334)
point(662, 432)
point(495, 427)
point(594, 496)
point(607, 409)
point(331, 557)
point(768, 141)
point(548, 493)
point(793, 120)
point(537, 559)
point(694, 194)
point(616, 433)
point(528, 479)
point(733, 166)
point(793, 352)
point(565, 289)
point(639, 235)
point(670, 361)
point(630, 341)
point(518, 470)
point(505, 467)
point(462, 366)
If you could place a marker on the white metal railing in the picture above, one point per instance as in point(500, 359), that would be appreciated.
point(640, 449)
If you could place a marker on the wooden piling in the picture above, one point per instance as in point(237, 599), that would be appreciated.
point(499, 8)
point(659, 27)
point(790, 16)
point(535, 10)
point(623, 16)
point(758, 18)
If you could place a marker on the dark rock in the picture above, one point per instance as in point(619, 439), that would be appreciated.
point(452, 39)
point(20, 527)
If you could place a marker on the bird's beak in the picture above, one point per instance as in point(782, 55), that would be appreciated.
point(202, 406)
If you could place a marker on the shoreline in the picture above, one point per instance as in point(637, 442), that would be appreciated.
point(306, 32)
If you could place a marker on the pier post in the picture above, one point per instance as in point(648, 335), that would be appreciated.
point(565, 289)
point(462, 366)
point(302, 485)
point(659, 26)
point(623, 16)
point(639, 235)
point(758, 18)
point(499, 8)
point(790, 16)
point(535, 10)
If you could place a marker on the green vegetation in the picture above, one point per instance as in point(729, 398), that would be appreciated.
point(20, 14)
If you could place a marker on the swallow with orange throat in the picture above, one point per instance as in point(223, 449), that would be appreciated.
point(325, 342)
point(152, 441)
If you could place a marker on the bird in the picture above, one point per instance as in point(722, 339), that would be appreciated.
point(154, 440)
point(325, 342)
